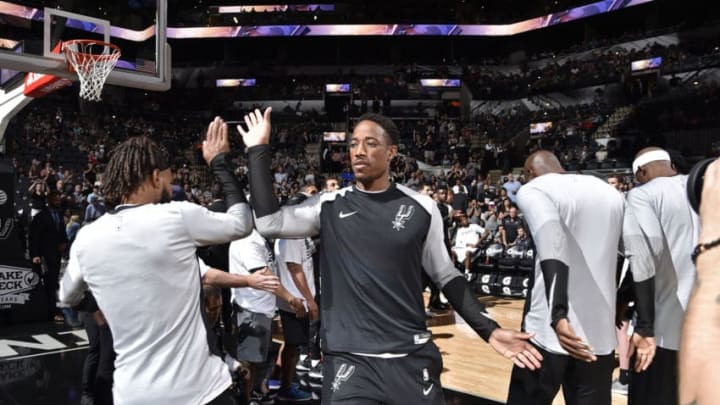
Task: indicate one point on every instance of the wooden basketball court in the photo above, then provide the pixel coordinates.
(473, 367)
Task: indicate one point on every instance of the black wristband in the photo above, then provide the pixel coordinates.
(556, 274)
(702, 248)
(467, 305)
(645, 307)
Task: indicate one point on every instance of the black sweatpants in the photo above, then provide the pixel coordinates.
(51, 282)
(658, 385)
(350, 379)
(97, 379)
(582, 383)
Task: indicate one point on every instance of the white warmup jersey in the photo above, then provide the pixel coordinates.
(297, 251)
(659, 233)
(140, 263)
(468, 235)
(248, 254)
(577, 220)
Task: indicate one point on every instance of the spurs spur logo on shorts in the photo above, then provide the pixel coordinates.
(403, 215)
(3, 197)
(343, 374)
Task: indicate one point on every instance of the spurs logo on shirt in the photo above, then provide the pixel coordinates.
(343, 374)
(403, 215)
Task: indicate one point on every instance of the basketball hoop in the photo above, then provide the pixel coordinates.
(92, 60)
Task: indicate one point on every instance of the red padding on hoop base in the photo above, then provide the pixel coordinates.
(39, 85)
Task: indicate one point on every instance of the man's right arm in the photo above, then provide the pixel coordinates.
(209, 228)
(291, 222)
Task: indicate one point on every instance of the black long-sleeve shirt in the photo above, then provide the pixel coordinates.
(375, 247)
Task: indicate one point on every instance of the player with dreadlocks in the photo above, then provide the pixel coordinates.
(132, 162)
(139, 262)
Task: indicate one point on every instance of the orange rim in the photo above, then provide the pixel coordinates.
(81, 56)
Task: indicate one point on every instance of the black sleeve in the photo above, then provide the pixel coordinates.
(63, 235)
(222, 169)
(467, 305)
(264, 201)
(555, 274)
(645, 307)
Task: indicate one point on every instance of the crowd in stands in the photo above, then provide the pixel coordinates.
(601, 66)
(64, 151)
(606, 65)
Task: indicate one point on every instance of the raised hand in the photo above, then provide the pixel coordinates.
(644, 350)
(515, 346)
(258, 128)
(216, 140)
(573, 343)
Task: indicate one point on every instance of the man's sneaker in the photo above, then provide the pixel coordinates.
(273, 385)
(262, 399)
(293, 394)
(316, 372)
(303, 366)
(619, 388)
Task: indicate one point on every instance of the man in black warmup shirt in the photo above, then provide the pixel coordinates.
(377, 237)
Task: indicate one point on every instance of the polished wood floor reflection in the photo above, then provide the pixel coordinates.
(473, 367)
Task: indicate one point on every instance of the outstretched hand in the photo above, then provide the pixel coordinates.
(258, 128)
(573, 343)
(515, 346)
(645, 350)
(216, 140)
(264, 280)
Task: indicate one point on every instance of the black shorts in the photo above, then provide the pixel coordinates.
(254, 336)
(582, 383)
(658, 385)
(355, 379)
(296, 331)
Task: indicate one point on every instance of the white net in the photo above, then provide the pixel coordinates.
(93, 61)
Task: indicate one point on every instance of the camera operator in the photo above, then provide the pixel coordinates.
(701, 333)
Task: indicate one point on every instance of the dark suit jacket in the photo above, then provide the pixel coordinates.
(46, 236)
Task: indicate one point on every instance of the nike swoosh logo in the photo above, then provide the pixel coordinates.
(427, 390)
(343, 215)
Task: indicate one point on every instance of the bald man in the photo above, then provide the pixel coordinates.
(576, 223)
(660, 231)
